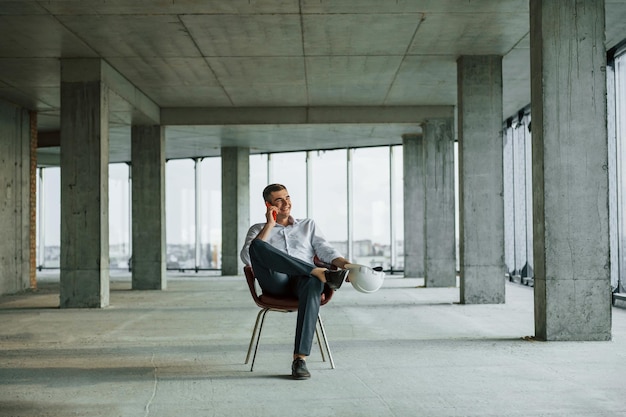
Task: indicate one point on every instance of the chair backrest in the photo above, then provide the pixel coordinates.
(247, 270)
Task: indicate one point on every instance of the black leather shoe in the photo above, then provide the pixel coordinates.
(334, 279)
(298, 369)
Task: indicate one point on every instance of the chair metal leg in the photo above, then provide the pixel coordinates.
(258, 328)
(330, 356)
(254, 333)
(319, 343)
(258, 339)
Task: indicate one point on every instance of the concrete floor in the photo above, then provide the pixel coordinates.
(403, 351)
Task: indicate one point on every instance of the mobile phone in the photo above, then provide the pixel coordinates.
(273, 213)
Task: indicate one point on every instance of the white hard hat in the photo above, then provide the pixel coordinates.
(365, 279)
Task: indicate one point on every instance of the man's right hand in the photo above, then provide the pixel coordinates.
(269, 224)
(270, 215)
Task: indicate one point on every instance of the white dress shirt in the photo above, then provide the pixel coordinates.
(300, 239)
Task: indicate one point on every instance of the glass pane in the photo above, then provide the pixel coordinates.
(119, 216)
(329, 186)
(210, 213)
(509, 200)
(51, 217)
(457, 212)
(620, 122)
(38, 223)
(397, 170)
(289, 169)
(520, 166)
(258, 181)
(180, 214)
(371, 244)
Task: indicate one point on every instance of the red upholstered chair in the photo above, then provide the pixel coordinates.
(283, 305)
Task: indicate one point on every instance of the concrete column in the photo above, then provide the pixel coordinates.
(148, 208)
(439, 246)
(481, 203)
(15, 200)
(570, 181)
(32, 215)
(414, 205)
(235, 207)
(84, 185)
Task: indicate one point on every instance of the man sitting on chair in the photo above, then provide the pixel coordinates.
(280, 252)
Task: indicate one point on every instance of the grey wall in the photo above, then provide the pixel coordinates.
(14, 198)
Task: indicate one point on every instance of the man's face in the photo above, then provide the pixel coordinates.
(281, 200)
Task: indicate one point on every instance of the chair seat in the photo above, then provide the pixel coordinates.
(282, 303)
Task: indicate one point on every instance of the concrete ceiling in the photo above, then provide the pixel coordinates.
(190, 57)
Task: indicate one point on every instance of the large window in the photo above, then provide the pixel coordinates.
(371, 207)
(119, 216)
(180, 209)
(617, 183)
(194, 213)
(329, 203)
(209, 250)
(397, 208)
(49, 217)
(517, 171)
(319, 185)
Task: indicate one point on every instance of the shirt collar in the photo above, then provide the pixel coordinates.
(290, 222)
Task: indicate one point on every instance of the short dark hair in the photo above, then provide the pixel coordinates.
(267, 192)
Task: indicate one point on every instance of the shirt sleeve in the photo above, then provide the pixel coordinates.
(252, 233)
(323, 249)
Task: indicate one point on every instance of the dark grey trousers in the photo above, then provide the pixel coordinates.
(281, 274)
